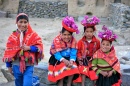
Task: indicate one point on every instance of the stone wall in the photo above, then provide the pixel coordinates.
(120, 15)
(120, 18)
(59, 8)
(43, 8)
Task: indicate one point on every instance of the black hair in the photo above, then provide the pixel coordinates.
(63, 30)
(93, 27)
(22, 17)
(108, 40)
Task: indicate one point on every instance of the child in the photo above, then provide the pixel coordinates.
(63, 51)
(86, 48)
(23, 49)
(105, 62)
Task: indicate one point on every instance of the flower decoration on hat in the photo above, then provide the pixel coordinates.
(90, 21)
(107, 34)
(69, 24)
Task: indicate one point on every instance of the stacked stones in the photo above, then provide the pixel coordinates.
(41, 9)
(120, 19)
(120, 15)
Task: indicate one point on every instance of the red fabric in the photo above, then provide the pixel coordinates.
(60, 71)
(90, 73)
(93, 46)
(59, 44)
(84, 70)
(13, 49)
(68, 28)
(118, 83)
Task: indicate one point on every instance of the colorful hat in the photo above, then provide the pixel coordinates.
(86, 22)
(107, 34)
(20, 15)
(69, 24)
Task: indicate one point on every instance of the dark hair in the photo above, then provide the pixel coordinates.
(93, 27)
(22, 17)
(108, 40)
(63, 30)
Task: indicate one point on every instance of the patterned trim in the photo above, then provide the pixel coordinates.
(56, 73)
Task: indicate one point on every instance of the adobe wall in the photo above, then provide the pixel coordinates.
(83, 7)
(9, 5)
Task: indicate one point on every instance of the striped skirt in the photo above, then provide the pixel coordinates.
(58, 70)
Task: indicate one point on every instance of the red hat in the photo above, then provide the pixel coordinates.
(69, 24)
(20, 15)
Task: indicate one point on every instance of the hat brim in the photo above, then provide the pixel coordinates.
(68, 28)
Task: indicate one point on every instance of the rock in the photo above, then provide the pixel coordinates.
(3, 79)
(121, 40)
(7, 74)
(122, 61)
(8, 84)
(127, 62)
(125, 80)
(3, 14)
(125, 58)
(126, 70)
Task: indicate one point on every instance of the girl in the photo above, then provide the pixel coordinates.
(86, 48)
(23, 49)
(63, 51)
(105, 62)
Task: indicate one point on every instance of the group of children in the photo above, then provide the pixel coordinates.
(87, 58)
(70, 60)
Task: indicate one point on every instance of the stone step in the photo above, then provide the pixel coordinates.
(3, 14)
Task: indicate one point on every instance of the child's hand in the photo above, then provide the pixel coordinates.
(71, 61)
(104, 73)
(70, 64)
(80, 60)
(25, 48)
(110, 73)
(66, 62)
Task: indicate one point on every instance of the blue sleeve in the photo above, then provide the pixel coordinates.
(73, 54)
(58, 56)
(8, 64)
(33, 49)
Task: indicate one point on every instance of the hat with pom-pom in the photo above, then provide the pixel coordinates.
(90, 21)
(107, 34)
(69, 24)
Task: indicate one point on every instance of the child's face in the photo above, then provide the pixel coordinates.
(89, 33)
(66, 36)
(22, 24)
(105, 46)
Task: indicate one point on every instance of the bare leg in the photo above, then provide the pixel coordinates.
(94, 82)
(70, 80)
(60, 83)
(83, 80)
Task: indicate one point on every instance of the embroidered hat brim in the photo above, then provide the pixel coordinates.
(68, 28)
